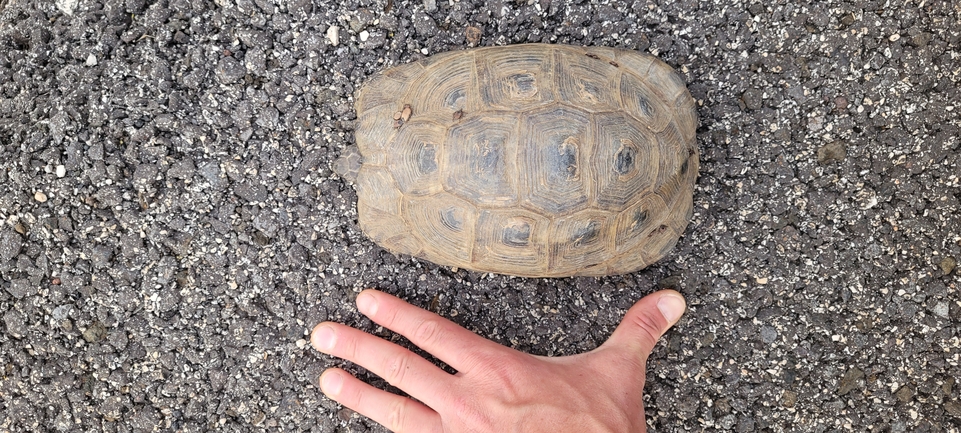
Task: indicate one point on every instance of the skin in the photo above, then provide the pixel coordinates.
(496, 389)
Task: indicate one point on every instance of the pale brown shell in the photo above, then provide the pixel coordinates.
(533, 160)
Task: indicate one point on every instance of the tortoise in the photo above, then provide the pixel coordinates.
(535, 160)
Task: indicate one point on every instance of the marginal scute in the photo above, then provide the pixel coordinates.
(663, 78)
(683, 207)
(605, 54)
(685, 112)
(634, 224)
(375, 185)
(644, 103)
(634, 62)
(659, 241)
(629, 260)
(379, 225)
(404, 243)
(585, 82)
(383, 88)
(581, 239)
(533, 160)
(670, 145)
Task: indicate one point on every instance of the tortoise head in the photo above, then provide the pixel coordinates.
(348, 165)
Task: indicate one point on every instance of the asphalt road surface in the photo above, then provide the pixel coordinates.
(172, 227)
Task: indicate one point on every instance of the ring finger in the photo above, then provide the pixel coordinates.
(398, 366)
(398, 414)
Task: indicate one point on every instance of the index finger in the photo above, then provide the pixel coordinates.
(449, 342)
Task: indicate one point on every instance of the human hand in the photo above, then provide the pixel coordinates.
(496, 389)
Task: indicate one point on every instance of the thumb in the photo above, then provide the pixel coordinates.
(647, 321)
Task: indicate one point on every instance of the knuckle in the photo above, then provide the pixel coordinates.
(479, 359)
(427, 331)
(352, 397)
(396, 366)
(387, 315)
(486, 359)
(346, 346)
(464, 408)
(396, 415)
(649, 328)
(507, 379)
(459, 407)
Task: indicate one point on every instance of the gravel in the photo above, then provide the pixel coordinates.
(196, 231)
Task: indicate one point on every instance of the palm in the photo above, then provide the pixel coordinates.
(496, 389)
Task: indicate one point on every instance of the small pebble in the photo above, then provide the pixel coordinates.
(948, 264)
(473, 35)
(905, 394)
(941, 309)
(788, 399)
(848, 20)
(62, 312)
(61, 171)
(345, 414)
(921, 40)
(769, 334)
(333, 35)
(727, 422)
(953, 408)
(357, 24)
(832, 152)
(67, 6)
(753, 99)
(364, 35)
(841, 103)
(744, 424)
(40, 197)
(671, 282)
(96, 332)
(894, 37)
(850, 380)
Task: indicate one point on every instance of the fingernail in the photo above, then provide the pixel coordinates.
(331, 383)
(671, 306)
(324, 339)
(366, 304)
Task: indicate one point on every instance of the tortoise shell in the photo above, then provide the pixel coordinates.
(533, 160)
